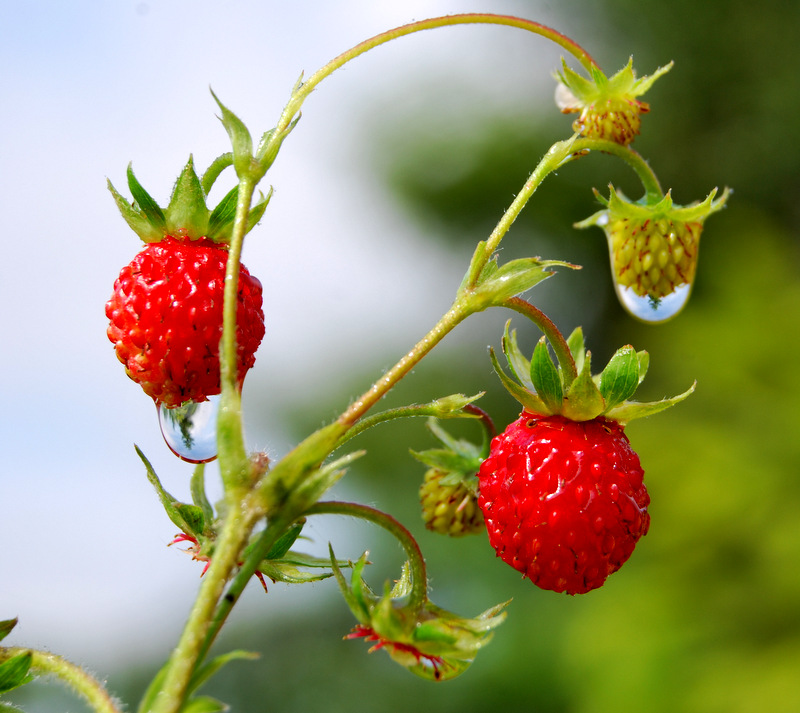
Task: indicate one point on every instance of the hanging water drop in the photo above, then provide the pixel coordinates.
(653, 309)
(190, 430)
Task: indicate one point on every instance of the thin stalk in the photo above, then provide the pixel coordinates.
(233, 538)
(549, 329)
(81, 682)
(646, 174)
(307, 86)
(419, 576)
(233, 461)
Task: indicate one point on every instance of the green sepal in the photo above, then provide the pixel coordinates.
(135, 219)
(7, 626)
(187, 214)
(546, 378)
(285, 541)
(198, 490)
(287, 568)
(583, 400)
(14, 672)
(144, 202)
(528, 399)
(577, 348)
(241, 141)
(317, 483)
(644, 363)
(630, 410)
(620, 378)
(519, 365)
(188, 518)
(204, 704)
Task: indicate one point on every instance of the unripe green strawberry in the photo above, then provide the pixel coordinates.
(564, 500)
(165, 313)
(449, 505)
(166, 319)
(608, 107)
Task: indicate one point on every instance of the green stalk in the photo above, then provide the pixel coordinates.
(233, 538)
(419, 576)
(74, 676)
(646, 174)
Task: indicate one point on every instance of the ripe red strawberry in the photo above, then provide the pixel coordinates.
(166, 309)
(561, 490)
(563, 500)
(166, 319)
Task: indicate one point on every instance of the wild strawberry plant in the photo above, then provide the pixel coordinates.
(559, 493)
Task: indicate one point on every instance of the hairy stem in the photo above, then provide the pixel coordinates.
(646, 174)
(74, 676)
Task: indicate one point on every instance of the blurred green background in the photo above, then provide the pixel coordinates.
(706, 615)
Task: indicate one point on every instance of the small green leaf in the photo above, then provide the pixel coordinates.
(509, 280)
(584, 401)
(145, 203)
(198, 489)
(135, 219)
(240, 138)
(14, 671)
(187, 213)
(577, 348)
(193, 517)
(545, 377)
(528, 399)
(170, 504)
(204, 704)
(644, 363)
(628, 411)
(285, 541)
(620, 378)
(519, 365)
(6, 626)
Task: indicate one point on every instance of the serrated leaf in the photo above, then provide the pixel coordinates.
(14, 671)
(519, 365)
(630, 410)
(620, 378)
(187, 213)
(145, 203)
(545, 377)
(6, 627)
(527, 398)
(584, 400)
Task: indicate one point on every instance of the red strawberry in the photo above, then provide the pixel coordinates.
(166, 319)
(166, 309)
(561, 491)
(563, 500)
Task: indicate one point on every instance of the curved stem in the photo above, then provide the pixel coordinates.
(74, 676)
(646, 174)
(419, 576)
(305, 88)
(554, 336)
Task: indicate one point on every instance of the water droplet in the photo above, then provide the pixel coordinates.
(652, 309)
(190, 430)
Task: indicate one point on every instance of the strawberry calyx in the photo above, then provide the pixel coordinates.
(186, 216)
(544, 388)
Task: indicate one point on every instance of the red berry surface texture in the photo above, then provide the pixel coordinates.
(166, 319)
(563, 500)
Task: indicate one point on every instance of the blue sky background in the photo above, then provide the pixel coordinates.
(88, 86)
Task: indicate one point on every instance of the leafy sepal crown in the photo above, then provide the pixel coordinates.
(543, 387)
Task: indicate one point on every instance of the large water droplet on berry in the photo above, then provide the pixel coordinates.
(190, 430)
(653, 309)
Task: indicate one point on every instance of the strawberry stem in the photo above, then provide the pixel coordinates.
(646, 174)
(419, 576)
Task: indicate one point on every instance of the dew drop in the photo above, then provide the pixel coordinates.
(650, 309)
(190, 430)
